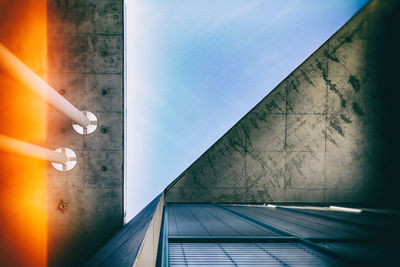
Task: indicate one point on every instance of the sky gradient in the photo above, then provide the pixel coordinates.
(194, 68)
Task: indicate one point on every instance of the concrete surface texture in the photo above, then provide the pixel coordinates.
(137, 238)
(323, 135)
(85, 63)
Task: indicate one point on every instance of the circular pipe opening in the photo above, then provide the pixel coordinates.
(71, 159)
(88, 129)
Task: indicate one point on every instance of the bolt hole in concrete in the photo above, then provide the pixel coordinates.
(62, 205)
(104, 130)
(104, 91)
(104, 168)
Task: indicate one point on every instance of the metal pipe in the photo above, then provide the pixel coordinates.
(15, 146)
(18, 70)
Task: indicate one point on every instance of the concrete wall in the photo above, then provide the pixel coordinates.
(85, 63)
(319, 136)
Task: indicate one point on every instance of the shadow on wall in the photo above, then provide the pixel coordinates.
(384, 60)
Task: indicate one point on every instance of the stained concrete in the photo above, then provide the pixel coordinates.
(86, 64)
(136, 243)
(323, 135)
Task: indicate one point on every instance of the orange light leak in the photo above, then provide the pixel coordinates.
(23, 189)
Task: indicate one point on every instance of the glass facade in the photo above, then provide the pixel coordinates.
(255, 235)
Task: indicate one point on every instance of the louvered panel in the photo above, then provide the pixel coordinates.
(370, 252)
(245, 254)
(301, 224)
(210, 220)
(326, 225)
(366, 220)
(244, 235)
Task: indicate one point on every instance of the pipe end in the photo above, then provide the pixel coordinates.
(71, 159)
(88, 129)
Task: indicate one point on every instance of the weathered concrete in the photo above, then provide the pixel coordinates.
(319, 135)
(85, 63)
(136, 243)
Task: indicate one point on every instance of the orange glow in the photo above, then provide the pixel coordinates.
(23, 189)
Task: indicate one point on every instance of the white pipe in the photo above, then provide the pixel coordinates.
(18, 70)
(15, 146)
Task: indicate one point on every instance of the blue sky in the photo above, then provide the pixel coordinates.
(194, 68)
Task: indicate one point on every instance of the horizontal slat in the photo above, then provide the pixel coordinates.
(301, 224)
(210, 220)
(245, 254)
(230, 239)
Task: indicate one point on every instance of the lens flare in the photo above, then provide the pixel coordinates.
(23, 189)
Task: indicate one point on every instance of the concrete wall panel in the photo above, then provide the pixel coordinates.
(319, 136)
(85, 64)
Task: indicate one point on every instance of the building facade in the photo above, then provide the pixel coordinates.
(322, 138)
